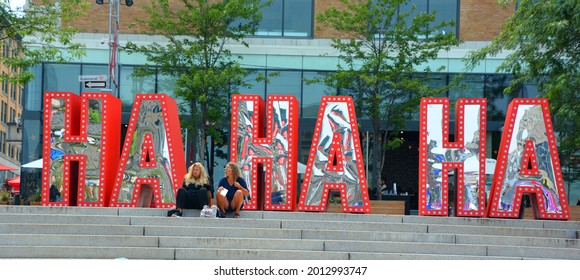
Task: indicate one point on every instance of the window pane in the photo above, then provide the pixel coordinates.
(31, 148)
(497, 101)
(288, 82)
(436, 81)
(471, 87)
(271, 24)
(62, 77)
(420, 7)
(129, 86)
(313, 94)
(446, 11)
(33, 96)
(530, 91)
(254, 87)
(298, 18)
(166, 84)
(94, 70)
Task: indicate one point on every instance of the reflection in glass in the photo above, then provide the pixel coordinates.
(497, 100)
(54, 80)
(312, 93)
(130, 85)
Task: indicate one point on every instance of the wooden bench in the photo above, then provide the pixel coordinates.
(574, 213)
(390, 207)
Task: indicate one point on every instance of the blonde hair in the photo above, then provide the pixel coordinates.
(203, 178)
(235, 170)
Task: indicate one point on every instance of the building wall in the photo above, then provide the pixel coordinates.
(480, 20)
(10, 112)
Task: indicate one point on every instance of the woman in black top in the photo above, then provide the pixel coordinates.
(196, 191)
(55, 193)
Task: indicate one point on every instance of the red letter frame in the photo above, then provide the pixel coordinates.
(81, 139)
(335, 161)
(528, 163)
(466, 155)
(152, 162)
(277, 151)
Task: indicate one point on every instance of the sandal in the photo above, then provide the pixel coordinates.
(220, 214)
(172, 212)
(237, 216)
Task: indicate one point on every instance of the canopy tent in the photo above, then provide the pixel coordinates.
(301, 168)
(6, 168)
(14, 183)
(33, 164)
(489, 166)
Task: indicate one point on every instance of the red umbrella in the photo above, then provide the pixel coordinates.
(15, 184)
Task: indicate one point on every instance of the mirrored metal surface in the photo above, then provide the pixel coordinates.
(437, 155)
(336, 120)
(277, 150)
(149, 121)
(91, 148)
(529, 124)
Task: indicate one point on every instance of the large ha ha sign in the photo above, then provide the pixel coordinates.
(81, 143)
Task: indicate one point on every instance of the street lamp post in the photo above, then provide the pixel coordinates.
(114, 18)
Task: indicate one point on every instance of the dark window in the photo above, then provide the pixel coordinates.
(93, 70)
(497, 101)
(287, 18)
(287, 82)
(55, 78)
(252, 86)
(4, 112)
(445, 11)
(313, 93)
(33, 98)
(129, 86)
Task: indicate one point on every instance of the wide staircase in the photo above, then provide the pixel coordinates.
(145, 233)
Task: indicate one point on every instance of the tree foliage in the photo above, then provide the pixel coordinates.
(196, 54)
(542, 43)
(45, 34)
(380, 64)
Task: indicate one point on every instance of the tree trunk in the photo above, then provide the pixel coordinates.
(194, 131)
(377, 150)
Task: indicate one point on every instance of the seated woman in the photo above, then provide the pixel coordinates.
(196, 191)
(55, 193)
(231, 191)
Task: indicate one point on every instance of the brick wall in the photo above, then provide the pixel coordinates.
(320, 6)
(481, 20)
(96, 19)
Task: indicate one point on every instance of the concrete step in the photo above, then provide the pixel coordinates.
(78, 240)
(81, 252)
(273, 215)
(144, 233)
(441, 238)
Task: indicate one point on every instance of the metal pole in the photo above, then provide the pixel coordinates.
(110, 44)
(114, 19)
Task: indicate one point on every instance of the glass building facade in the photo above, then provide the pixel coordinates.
(288, 44)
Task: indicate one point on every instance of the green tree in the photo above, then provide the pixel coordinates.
(542, 43)
(196, 53)
(45, 35)
(381, 64)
